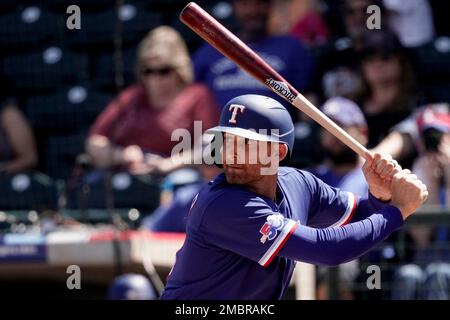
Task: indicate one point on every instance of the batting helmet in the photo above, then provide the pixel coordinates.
(131, 287)
(259, 118)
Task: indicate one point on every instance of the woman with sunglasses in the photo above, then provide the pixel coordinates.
(135, 130)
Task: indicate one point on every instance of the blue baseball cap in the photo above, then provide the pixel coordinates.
(345, 112)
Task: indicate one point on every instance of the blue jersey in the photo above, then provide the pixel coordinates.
(235, 239)
(353, 181)
(226, 80)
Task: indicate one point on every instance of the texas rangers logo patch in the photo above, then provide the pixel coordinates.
(269, 230)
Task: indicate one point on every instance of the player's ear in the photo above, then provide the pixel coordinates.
(282, 151)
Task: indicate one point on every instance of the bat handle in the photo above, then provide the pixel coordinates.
(307, 107)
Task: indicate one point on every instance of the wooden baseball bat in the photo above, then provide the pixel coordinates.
(237, 51)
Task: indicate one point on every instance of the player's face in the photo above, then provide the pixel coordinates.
(246, 161)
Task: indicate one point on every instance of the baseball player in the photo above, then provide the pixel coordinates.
(246, 228)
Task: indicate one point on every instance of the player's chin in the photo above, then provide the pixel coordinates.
(235, 174)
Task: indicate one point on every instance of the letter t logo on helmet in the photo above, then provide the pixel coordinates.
(234, 108)
(261, 118)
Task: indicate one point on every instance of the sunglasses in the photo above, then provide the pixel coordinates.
(164, 71)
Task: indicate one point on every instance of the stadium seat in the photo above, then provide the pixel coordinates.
(193, 41)
(97, 31)
(221, 10)
(28, 27)
(432, 61)
(85, 5)
(177, 5)
(28, 191)
(67, 110)
(59, 153)
(104, 69)
(45, 70)
(135, 23)
(436, 93)
(128, 191)
(7, 5)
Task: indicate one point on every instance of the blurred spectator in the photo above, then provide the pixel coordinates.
(337, 69)
(17, 145)
(411, 20)
(283, 53)
(341, 169)
(426, 133)
(433, 162)
(355, 19)
(387, 94)
(131, 286)
(300, 18)
(178, 191)
(405, 140)
(135, 129)
(311, 29)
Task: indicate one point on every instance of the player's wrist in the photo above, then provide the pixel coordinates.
(405, 211)
(380, 197)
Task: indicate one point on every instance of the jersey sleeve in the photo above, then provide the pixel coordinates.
(329, 206)
(333, 246)
(246, 225)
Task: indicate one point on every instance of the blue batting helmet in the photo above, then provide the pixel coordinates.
(257, 117)
(131, 287)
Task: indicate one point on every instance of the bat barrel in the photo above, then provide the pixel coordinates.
(232, 47)
(237, 51)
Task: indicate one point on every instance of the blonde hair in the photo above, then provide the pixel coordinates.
(166, 44)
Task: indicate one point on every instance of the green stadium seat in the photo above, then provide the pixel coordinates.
(27, 27)
(104, 68)
(432, 61)
(45, 70)
(67, 110)
(28, 191)
(128, 191)
(135, 23)
(59, 153)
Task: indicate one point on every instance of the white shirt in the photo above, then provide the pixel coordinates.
(411, 20)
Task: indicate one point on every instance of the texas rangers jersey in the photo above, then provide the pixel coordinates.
(233, 236)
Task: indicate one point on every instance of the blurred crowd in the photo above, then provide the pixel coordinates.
(379, 69)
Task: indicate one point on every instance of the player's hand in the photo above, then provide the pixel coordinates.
(408, 192)
(379, 170)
